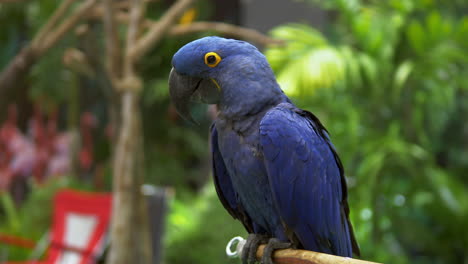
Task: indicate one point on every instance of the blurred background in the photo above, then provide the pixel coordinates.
(389, 80)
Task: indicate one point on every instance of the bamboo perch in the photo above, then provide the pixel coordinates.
(296, 256)
(293, 256)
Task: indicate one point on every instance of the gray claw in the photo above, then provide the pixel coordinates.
(250, 248)
(273, 244)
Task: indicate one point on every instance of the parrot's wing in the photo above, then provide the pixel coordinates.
(224, 188)
(307, 180)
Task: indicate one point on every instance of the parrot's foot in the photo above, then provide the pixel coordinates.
(273, 244)
(250, 248)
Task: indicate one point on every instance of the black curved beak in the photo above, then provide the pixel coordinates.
(183, 89)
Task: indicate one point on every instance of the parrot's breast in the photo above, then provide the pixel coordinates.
(244, 162)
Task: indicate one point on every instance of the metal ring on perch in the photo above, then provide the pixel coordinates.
(237, 242)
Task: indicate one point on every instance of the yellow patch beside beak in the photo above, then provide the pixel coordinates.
(216, 83)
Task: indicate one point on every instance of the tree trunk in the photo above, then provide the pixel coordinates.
(129, 242)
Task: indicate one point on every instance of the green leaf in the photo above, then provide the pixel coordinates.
(434, 24)
(402, 74)
(415, 35)
(369, 67)
(299, 33)
(353, 74)
(11, 214)
(450, 190)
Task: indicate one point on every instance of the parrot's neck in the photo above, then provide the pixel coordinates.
(249, 90)
(238, 105)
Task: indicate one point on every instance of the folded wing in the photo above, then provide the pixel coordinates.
(307, 180)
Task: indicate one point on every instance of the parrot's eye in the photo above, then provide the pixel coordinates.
(212, 59)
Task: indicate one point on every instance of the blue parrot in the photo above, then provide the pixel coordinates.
(274, 166)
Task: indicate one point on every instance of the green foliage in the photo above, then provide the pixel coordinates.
(20, 22)
(390, 84)
(50, 91)
(199, 229)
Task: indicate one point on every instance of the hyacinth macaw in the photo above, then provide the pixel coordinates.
(274, 166)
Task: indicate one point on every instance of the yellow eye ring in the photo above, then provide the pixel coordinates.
(212, 59)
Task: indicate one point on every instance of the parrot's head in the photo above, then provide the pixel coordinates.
(227, 72)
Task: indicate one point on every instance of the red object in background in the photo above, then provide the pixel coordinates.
(79, 225)
(44, 151)
(86, 156)
(17, 241)
(9, 129)
(8, 134)
(40, 137)
(60, 160)
(59, 148)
